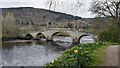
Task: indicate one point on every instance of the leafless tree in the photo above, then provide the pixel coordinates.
(107, 8)
(9, 27)
(53, 3)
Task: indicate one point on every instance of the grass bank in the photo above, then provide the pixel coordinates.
(99, 56)
(81, 55)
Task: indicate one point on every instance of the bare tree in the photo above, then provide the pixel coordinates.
(105, 8)
(52, 4)
(9, 28)
(108, 8)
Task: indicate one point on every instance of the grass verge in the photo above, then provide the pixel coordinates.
(99, 56)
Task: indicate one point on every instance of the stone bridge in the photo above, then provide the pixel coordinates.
(50, 32)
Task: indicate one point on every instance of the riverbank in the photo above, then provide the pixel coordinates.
(81, 55)
(99, 58)
(13, 38)
(17, 40)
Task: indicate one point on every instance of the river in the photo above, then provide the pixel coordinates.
(32, 52)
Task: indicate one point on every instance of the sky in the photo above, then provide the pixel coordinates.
(64, 6)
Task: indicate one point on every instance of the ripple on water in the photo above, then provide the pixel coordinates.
(29, 54)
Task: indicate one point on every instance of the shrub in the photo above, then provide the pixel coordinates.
(109, 35)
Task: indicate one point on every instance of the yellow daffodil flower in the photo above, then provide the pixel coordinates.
(75, 51)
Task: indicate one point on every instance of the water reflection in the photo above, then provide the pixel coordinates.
(63, 41)
(34, 53)
(87, 39)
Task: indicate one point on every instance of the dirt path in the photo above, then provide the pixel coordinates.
(112, 56)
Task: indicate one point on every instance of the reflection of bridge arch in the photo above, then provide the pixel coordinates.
(28, 36)
(40, 35)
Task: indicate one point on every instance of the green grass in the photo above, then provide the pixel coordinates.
(114, 43)
(99, 56)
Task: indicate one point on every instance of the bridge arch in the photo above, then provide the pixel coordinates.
(60, 34)
(81, 37)
(40, 35)
(29, 36)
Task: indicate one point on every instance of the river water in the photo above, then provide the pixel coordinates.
(32, 52)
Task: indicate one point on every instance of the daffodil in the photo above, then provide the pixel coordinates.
(75, 51)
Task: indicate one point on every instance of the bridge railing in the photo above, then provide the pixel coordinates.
(62, 29)
(69, 29)
(66, 29)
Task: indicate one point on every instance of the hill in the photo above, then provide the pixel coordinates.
(42, 17)
(24, 15)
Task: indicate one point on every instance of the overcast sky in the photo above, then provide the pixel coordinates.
(65, 6)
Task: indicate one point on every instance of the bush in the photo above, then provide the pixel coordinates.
(80, 55)
(109, 35)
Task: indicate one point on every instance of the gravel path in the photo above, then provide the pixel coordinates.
(112, 56)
